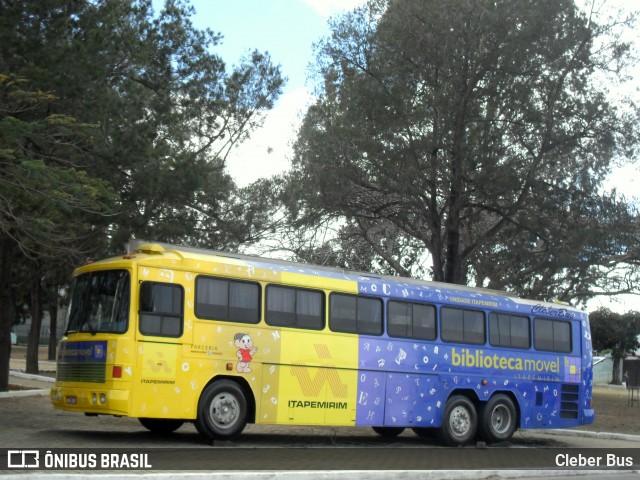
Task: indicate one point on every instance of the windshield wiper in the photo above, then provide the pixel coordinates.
(89, 327)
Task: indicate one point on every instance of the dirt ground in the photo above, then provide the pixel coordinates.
(613, 412)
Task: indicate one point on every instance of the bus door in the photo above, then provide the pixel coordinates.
(160, 335)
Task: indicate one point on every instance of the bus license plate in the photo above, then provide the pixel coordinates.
(72, 400)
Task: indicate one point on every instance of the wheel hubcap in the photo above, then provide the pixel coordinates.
(500, 419)
(223, 410)
(460, 421)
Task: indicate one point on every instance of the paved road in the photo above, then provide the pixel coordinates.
(30, 422)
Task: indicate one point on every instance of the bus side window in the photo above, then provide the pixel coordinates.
(227, 300)
(462, 325)
(355, 314)
(411, 320)
(552, 335)
(161, 309)
(295, 307)
(506, 330)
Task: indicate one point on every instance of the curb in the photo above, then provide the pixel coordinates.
(33, 392)
(588, 433)
(30, 376)
(25, 393)
(332, 474)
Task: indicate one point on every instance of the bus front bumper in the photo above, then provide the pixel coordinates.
(588, 416)
(98, 400)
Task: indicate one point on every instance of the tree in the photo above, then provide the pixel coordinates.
(46, 200)
(617, 333)
(165, 111)
(168, 108)
(478, 130)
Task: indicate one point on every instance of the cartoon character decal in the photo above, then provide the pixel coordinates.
(246, 351)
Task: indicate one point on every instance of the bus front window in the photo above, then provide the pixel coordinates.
(100, 302)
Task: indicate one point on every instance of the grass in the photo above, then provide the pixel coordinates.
(613, 412)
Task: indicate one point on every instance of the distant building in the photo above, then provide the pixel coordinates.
(602, 369)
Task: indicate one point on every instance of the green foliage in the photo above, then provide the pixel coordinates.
(477, 130)
(47, 201)
(615, 332)
(115, 122)
(167, 110)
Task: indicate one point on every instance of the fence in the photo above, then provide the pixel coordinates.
(22, 332)
(632, 378)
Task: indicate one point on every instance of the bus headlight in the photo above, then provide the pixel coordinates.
(103, 398)
(56, 395)
(94, 398)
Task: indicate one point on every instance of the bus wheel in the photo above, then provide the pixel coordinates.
(425, 432)
(498, 419)
(222, 410)
(161, 426)
(459, 422)
(388, 432)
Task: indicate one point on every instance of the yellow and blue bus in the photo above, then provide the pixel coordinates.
(171, 334)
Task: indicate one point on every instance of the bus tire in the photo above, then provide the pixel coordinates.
(161, 426)
(388, 432)
(459, 422)
(425, 432)
(222, 410)
(498, 419)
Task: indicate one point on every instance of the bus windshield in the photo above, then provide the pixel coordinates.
(100, 302)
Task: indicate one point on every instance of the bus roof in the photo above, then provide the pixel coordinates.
(151, 247)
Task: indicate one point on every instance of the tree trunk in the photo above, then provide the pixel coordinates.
(6, 311)
(36, 323)
(616, 376)
(53, 328)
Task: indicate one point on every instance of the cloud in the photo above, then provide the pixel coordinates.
(268, 151)
(327, 8)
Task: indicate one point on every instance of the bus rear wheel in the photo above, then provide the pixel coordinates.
(459, 422)
(388, 432)
(161, 426)
(222, 410)
(425, 432)
(498, 419)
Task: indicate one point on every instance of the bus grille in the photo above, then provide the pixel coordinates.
(569, 401)
(81, 372)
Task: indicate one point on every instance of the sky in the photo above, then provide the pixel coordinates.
(287, 29)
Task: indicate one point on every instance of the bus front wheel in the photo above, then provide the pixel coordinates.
(460, 421)
(161, 426)
(222, 410)
(498, 419)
